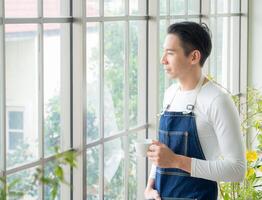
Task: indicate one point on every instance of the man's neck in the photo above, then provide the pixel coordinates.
(190, 81)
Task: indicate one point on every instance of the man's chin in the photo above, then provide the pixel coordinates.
(171, 76)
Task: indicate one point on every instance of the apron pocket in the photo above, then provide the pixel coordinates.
(177, 141)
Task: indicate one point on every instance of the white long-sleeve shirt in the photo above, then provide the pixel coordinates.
(218, 127)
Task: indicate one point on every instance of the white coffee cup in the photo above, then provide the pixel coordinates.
(142, 146)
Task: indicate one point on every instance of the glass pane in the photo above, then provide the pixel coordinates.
(15, 120)
(136, 167)
(132, 168)
(137, 55)
(55, 187)
(56, 8)
(193, 7)
(15, 138)
(163, 7)
(137, 7)
(213, 58)
(92, 81)
(177, 7)
(114, 169)
(114, 7)
(22, 87)
(219, 57)
(21, 8)
(162, 35)
(235, 6)
(23, 182)
(92, 173)
(213, 6)
(222, 51)
(197, 20)
(234, 54)
(92, 8)
(114, 42)
(56, 87)
(222, 6)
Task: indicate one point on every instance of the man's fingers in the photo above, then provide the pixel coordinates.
(156, 195)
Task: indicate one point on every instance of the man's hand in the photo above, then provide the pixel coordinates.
(162, 156)
(150, 193)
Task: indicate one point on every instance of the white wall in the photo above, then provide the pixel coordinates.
(255, 44)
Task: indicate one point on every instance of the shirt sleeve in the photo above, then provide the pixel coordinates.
(153, 172)
(231, 165)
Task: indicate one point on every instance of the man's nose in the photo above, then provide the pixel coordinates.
(163, 59)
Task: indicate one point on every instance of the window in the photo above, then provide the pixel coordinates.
(15, 129)
(35, 45)
(87, 76)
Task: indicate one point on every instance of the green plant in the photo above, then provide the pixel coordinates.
(8, 190)
(251, 112)
(53, 175)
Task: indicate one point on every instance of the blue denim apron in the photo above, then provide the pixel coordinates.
(178, 131)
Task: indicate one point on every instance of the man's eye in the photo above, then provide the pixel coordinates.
(170, 53)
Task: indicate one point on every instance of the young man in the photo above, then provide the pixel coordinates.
(200, 142)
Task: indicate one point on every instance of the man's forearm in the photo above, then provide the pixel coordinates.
(150, 183)
(183, 162)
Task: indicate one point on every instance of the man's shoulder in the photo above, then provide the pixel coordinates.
(210, 91)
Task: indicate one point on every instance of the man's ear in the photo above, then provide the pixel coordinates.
(195, 57)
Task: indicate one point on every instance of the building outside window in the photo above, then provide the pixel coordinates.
(15, 128)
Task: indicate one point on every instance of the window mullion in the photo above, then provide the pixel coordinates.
(101, 101)
(126, 104)
(229, 56)
(41, 95)
(3, 150)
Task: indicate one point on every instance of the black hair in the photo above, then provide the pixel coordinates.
(193, 36)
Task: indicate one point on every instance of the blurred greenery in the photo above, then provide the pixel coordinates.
(251, 123)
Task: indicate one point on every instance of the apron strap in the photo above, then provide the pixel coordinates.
(189, 107)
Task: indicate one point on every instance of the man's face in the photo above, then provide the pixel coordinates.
(176, 64)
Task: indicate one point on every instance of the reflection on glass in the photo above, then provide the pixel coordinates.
(114, 77)
(21, 93)
(137, 7)
(92, 173)
(193, 7)
(92, 8)
(136, 73)
(92, 81)
(177, 7)
(114, 7)
(56, 87)
(20, 8)
(114, 170)
(56, 8)
(23, 182)
(222, 6)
